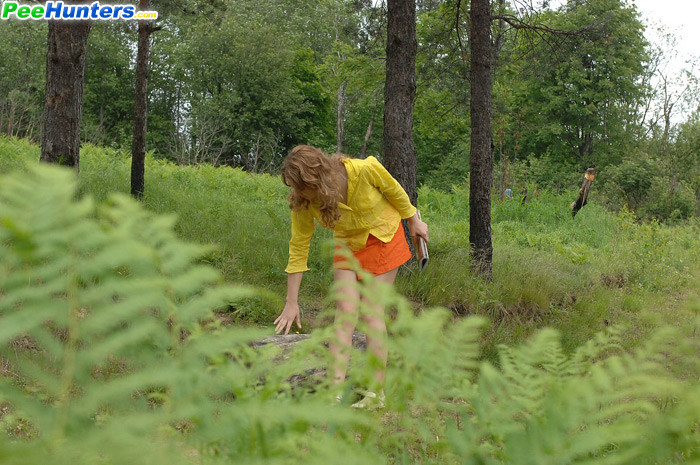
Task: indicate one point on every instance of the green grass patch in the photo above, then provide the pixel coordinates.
(577, 275)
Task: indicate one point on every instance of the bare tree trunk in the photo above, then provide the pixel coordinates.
(500, 35)
(63, 103)
(400, 90)
(11, 119)
(505, 180)
(138, 145)
(586, 149)
(20, 122)
(101, 126)
(339, 122)
(368, 134)
(481, 154)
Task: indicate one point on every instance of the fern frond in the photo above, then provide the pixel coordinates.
(106, 296)
(544, 407)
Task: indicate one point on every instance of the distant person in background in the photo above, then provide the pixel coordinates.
(523, 193)
(363, 205)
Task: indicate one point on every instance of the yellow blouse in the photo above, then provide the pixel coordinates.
(376, 205)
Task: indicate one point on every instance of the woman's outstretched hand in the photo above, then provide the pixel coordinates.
(418, 228)
(289, 314)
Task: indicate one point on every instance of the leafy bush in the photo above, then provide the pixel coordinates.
(670, 202)
(645, 186)
(630, 180)
(16, 153)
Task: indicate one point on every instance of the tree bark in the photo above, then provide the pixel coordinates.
(368, 134)
(481, 152)
(138, 146)
(63, 102)
(340, 119)
(586, 148)
(400, 90)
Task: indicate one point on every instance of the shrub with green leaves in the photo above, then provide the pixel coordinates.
(111, 354)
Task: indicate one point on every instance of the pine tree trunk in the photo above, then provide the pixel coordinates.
(138, 146)
(400, 91)
(481, 155)
(63, 102)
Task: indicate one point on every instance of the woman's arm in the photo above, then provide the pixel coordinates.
(291, 308)
(302, 230)
(380, 178)
(397, 196)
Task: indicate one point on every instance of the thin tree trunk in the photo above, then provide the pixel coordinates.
(481, 153)
(339, 121)
(400, 90)
(101, 125)
(586, 150)
(63, 102)
(501, 32)
(138, 146)
(368, 134)
(505, 181)
(11, 119)
(20, 122)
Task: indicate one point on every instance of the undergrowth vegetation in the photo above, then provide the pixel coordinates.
(578, 275)
(111, 354)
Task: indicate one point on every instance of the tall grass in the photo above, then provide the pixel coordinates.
(578, 275)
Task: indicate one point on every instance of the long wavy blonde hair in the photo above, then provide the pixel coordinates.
(307, 168)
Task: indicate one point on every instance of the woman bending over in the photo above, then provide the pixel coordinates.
(363, 205)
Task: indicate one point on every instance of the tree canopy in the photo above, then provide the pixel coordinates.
(240, 82)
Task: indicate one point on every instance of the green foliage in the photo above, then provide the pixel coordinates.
(348, 38)
(549, 270)
(547, 407)
(573, 99)
(664, 189)
(633, 179)
(16, 153)
(108, 98)
(108, 335)
(111, 354)
(575, 275)
(441, 121)
(240, 82)
(255, 92)
(671, 201)
(22, 77)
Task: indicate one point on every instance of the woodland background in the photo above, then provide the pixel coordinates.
(240, 83)
(133, 330)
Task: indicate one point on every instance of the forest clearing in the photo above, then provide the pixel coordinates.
(147, 205)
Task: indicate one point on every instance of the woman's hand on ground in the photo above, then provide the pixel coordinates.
(418, 228)
(289, 314)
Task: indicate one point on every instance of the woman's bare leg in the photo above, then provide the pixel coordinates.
(375, 320)
(347, 308)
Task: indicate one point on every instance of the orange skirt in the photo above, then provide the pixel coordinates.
(378, 257)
